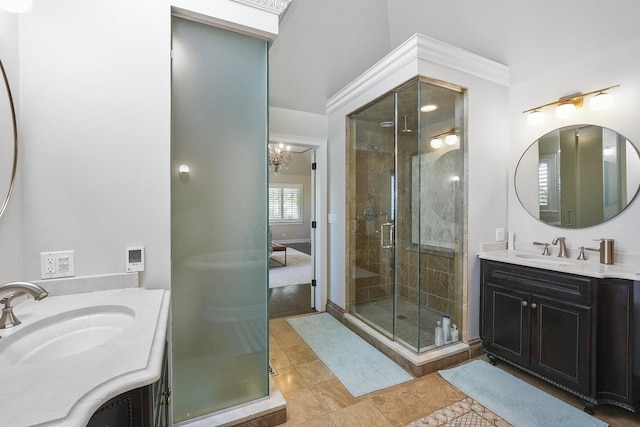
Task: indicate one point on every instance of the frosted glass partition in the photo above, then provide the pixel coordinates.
(218, 219)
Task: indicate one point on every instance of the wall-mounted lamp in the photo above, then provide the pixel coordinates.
(450, 138)
(183, 173)
(16, 6)
(455, 180)
(567, 105)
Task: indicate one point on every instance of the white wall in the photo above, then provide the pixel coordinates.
(95, 121)
(300, 123)
(11, 221)
(619, 66)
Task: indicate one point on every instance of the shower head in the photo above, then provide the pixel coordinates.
(405, 129)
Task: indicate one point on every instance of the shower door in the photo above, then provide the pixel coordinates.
(405, 169)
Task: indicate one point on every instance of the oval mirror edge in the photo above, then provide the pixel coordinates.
(5, 202)
(630, 195)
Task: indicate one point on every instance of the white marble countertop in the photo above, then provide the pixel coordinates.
(588, 268)
(68, 390)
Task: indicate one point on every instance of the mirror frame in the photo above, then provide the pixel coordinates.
(15, 141)
(630, 200)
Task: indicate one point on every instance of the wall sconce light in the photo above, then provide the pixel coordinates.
(183, 170)
(16, 6)
(567, 105)
(450, 138)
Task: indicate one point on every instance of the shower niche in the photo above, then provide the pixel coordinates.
(405, 209)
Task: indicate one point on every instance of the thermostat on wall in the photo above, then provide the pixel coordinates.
(135, 259)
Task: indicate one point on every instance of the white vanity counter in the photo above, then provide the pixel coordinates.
(67, 389)
(588, 268)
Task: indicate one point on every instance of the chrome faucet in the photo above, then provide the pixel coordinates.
(563, 247)
(8, 319)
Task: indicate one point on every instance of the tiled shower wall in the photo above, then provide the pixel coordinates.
(429, 277)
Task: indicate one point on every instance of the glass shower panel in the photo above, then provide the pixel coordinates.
(406, 255)
(218, 219)
(371, 271)
(438, 217)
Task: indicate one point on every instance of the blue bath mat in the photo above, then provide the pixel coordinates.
(515, 400)
(359, 366)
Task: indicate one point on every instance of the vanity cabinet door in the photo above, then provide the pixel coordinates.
(561, 342)
(506, 323)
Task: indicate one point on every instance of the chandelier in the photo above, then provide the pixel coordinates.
(278, 157)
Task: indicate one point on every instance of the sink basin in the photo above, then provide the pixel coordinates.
(544, 259)
(65, 334)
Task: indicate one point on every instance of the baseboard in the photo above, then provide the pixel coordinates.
(335, 310)
(287, 241)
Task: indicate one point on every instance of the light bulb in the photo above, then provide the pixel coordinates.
(436, 143)
(16, 6)
(601, 101)
(428, 108)
(535, 118)
(564, 111)
(451, 139)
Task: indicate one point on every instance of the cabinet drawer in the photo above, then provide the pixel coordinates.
(569, 287)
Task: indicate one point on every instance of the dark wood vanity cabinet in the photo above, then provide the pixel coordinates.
(573, 331)
(142, 407)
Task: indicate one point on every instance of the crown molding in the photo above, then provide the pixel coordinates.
(277, 7)
(422, 48)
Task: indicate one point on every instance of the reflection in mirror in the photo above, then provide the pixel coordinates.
(8, 141)
(578, 176)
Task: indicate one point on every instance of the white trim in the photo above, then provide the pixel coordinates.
(273, 6)
(421, 47)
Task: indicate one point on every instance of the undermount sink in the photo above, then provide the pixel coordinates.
(544, 259)
(65, 334)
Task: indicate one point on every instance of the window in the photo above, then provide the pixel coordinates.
(548, 182)
(285, 203)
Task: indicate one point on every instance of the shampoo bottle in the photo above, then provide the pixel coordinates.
(438, 339)
(446, 329)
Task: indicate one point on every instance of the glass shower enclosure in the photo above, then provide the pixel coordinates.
(405, 168)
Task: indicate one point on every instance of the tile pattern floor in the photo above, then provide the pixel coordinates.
(315, 397)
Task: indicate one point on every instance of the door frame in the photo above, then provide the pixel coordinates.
(319, 215)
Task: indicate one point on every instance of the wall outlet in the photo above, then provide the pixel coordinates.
(57, 264)
(499, 234)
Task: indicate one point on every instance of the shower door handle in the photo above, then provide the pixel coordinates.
(390, 242)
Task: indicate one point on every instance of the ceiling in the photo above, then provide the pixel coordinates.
(324, 44)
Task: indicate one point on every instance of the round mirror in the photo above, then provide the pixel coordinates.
(8, 141)
(578, 176)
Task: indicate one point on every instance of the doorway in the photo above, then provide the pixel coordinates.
(291, 220)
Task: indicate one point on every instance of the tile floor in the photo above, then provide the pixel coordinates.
(315, 397)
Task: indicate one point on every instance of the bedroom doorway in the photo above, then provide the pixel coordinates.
(292, 217)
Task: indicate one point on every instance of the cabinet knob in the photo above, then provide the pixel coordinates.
(533, 305)
(524, 303)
